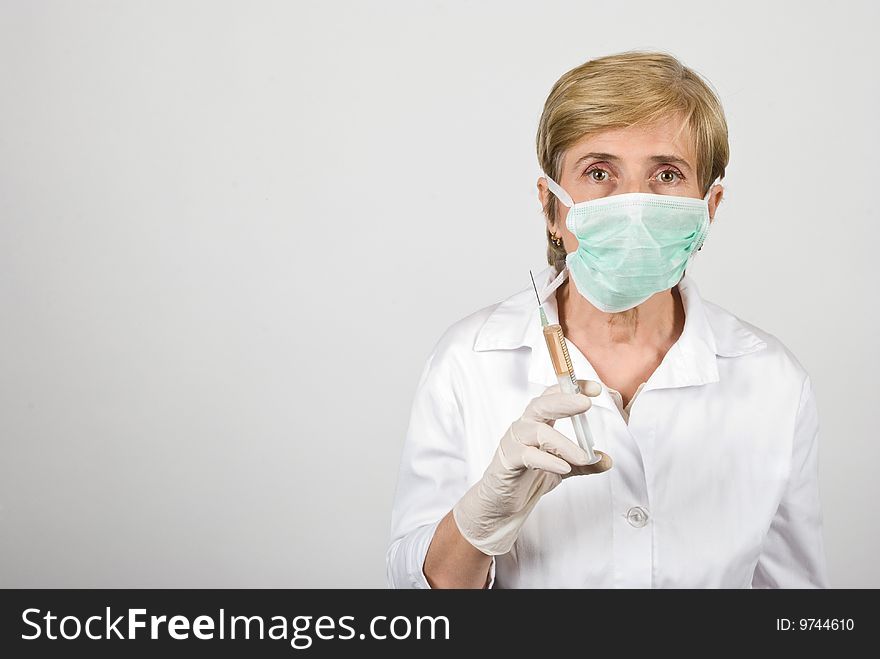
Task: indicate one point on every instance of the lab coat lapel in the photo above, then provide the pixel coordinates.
(691, 361)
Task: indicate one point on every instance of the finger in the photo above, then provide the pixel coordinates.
(554, 389)
(584, 470)
(548, 407)
(587, 387)
(532, 433)
(535, 458)
(590, 387)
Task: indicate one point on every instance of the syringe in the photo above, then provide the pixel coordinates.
(566, 378)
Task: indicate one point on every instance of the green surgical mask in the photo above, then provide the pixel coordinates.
(631, 245)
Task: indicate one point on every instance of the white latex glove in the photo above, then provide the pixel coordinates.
(532, 458)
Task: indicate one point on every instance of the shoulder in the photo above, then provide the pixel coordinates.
(478, 340)
(457, 341)
(753, 346)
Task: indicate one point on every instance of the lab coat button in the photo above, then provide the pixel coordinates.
(637, 516)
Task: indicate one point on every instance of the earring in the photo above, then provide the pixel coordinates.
(556, 240)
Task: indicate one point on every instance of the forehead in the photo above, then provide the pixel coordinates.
(638, 143)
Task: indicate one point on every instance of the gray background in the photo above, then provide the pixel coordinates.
(230, 234)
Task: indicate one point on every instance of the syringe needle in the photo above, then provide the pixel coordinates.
(544, 321)
(535, 287)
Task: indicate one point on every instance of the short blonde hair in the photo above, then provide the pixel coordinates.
(626, 89)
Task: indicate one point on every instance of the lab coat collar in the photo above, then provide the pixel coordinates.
(709, 331)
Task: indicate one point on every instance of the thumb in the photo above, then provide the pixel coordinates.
(590, 387)
(584, 470)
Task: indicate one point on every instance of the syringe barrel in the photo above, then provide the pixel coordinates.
(558, 352)
(579, 421)
(562, 366)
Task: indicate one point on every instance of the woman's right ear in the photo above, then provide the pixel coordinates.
(543, 191)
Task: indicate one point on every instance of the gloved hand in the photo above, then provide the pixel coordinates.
(532, 458)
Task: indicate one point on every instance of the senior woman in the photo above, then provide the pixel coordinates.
(711, 422)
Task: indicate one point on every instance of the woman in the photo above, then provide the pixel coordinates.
(711, 422)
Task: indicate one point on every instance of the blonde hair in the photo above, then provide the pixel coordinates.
(627, 89)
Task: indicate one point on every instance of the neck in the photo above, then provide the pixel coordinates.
(655, 324)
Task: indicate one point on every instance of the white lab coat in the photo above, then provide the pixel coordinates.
(715, 477)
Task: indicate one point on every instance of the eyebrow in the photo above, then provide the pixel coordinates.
(678, 160)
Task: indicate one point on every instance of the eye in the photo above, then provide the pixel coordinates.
(668, 175)
(597, 170)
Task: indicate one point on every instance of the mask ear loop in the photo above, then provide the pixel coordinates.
(709, 193)
(702, 238)
(556, 189)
